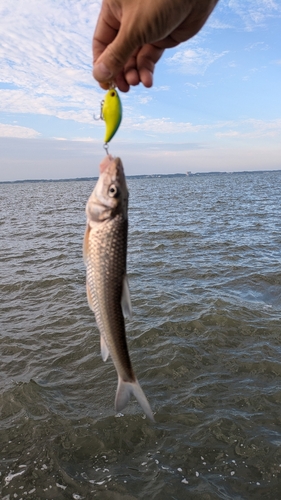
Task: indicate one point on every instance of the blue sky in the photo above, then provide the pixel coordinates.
(215, 104)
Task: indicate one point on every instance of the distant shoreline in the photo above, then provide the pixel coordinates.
(143, 176)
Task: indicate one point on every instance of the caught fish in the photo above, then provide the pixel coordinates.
(105, 252)
(111, 114)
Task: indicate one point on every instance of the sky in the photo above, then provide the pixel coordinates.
(215, 104)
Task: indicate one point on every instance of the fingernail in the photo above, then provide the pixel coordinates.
(101, 72)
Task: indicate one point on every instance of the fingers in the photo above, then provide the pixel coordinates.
(132, 77)
(117, 55)
(131, 35)
(112, 49)
(105, 32)
(130, 71)
(147, 57)
(121, 82)
(139, 68)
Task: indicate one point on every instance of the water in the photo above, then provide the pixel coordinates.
(204, 267)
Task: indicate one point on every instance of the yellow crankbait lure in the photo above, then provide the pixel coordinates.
(111, 113)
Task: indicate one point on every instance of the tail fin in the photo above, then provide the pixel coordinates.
(124, 392)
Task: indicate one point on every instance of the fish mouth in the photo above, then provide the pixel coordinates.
(110, 165)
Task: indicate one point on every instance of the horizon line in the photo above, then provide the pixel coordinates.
(178, 174)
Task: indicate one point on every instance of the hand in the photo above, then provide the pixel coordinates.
(131, 36)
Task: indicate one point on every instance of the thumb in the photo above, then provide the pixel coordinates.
(113, 59)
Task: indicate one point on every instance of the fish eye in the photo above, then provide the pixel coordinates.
(113, 191)
(112, 93)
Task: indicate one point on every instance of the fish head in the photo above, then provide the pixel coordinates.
(110, 195)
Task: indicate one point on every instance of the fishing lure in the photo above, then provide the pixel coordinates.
(111, 113)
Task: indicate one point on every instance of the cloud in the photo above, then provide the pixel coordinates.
(144, 99)
(218, 25)
(261, 128)
(255, 13)
(250, 129)
(17, 131)
(162, 126)
(46, 58)
(257, 45)
(230, 133)
(161, 88)
(240, 129)
(193, 61)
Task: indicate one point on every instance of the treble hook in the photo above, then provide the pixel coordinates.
(100, 116)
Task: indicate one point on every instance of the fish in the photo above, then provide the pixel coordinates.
(111, 113)
(105, 256)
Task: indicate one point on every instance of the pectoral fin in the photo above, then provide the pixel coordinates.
(86, 243)
(126, 299)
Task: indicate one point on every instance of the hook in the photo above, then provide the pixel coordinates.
(100, 116)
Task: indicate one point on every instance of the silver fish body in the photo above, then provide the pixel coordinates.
(105, 253)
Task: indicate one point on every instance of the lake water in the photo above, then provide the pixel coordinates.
(204, 266)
